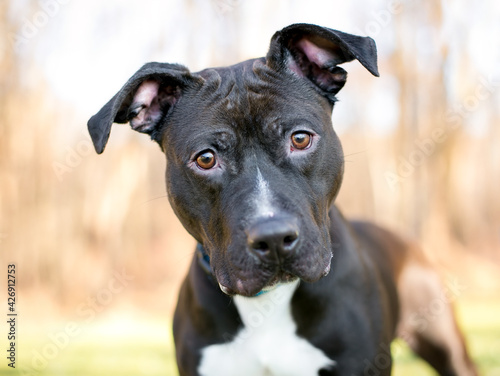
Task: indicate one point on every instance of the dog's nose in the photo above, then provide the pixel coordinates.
(273, 239)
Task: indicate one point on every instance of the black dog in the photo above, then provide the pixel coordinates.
(281, 283)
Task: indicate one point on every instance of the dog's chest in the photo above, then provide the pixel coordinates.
(268, 344)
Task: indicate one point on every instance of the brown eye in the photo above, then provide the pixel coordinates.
(206, 160)
(301, 140)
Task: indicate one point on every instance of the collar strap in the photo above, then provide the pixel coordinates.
(204, 259)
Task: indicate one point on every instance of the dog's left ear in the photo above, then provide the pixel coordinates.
(144, 101)
(314, 52)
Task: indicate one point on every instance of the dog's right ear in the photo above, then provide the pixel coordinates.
(144, 101)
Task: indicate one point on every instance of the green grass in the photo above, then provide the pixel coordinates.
(480, 321)
(109, 358)
(111, 346)
(131, 347)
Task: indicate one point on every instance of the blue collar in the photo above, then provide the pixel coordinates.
(204, 260)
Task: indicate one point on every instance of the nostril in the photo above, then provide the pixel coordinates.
(261, 247)
(289, 239)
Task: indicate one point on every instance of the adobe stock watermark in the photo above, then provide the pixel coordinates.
(31, 26)
(381, 362)
(87, 311)
(73, 157)
(419, 321)
(224, 7)
(381, 18)
(453, 118)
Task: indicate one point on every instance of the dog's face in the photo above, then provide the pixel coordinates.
(245, 152)
(253, 163)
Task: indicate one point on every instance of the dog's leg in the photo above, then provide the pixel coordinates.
(428, 322)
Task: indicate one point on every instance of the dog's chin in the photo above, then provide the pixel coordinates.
(250, 288)
(254, 287)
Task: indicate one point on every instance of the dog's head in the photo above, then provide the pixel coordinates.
(253, 163)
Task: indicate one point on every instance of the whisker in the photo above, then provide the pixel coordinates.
(358, 152)
(153, 199)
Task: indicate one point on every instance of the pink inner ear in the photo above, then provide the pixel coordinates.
(146, 106)
(316, 59)
(319, 51)
(315, 54)
(146, 92)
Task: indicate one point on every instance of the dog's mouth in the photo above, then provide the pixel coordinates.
(249, 289)
(278, 279)
(252, 287)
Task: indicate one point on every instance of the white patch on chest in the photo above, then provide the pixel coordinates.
(268, 344)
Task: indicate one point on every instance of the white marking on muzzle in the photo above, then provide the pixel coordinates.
(262, 198)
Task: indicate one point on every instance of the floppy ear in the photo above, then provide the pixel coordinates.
(144, 101)
(314, 52)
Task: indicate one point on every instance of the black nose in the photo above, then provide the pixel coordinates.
(274, 238)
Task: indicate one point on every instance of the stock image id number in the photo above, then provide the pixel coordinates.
(11, 287)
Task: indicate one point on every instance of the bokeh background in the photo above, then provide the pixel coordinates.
(99, 254)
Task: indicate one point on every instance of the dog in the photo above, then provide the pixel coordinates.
(280, 283)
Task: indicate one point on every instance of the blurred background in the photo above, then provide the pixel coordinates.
(99, 254)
